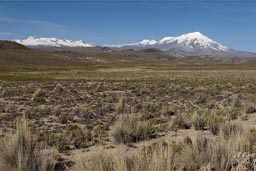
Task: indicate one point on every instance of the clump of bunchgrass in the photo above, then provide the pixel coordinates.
(130, 128)
(120, 105)
(199, 119)
(38, 96)
(18, 151)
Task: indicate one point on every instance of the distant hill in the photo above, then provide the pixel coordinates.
(97, 49)
(152, 50)
(16, 55)
(5, 44)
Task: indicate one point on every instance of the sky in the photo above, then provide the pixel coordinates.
(230, 22)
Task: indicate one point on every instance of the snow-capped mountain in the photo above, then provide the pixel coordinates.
(143, 43)
(190, 43)
(33, 41)
(187, 44)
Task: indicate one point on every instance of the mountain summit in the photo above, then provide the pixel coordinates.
(189, 44)
(192, 41)
(33, 41)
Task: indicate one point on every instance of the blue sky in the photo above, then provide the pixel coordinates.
(230, 22)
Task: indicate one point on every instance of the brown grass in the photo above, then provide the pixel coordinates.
(199, 152)
(38, 96)
(18, 151)
(129, 128)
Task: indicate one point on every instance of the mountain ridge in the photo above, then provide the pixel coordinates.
(52, 42)
(189, 44)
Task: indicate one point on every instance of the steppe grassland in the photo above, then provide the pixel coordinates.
(166, 118)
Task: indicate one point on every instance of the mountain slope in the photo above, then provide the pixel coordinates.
(5, 44)
(52, 42)
(15, 55)
(189, 44)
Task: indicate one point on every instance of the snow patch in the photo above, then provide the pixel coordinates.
(53, 42)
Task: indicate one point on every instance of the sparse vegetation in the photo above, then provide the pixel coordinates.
(134, 118)
(200, 153)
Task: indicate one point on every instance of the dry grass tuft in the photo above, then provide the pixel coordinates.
(160, 156)
(100, 161)
(129, 128)
(196, 153)
(200, 119)
(205, 153)
(180, 121)
(120, 105)
(38, 96)
(18, 151)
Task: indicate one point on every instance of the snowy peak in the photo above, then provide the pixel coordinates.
(166, 40)
(190, 43)
(147, 42)
(197, 39)
(143, 43)
(189, 37)
(52, 42)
